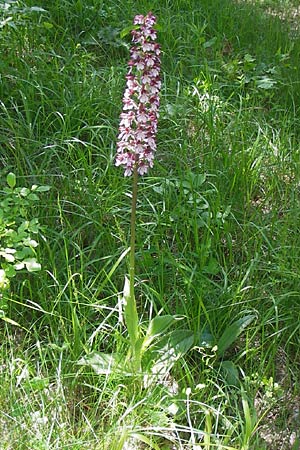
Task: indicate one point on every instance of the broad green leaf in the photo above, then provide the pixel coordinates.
(130, 313)
(265, 83)
(43, 188)
(102, 363)
(231, 372)
(232, 332)
(204, 339)
(157, 326)
(170, 349)
(11, 180)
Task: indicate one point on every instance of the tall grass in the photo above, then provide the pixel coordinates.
(217, 226)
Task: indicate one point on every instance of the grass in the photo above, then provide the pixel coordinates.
(217, 226)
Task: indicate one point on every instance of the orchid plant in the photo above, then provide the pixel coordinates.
(154, 349)
(135, 154)
(137, 143)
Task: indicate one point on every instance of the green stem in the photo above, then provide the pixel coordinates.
(132, 232)
(130, 309)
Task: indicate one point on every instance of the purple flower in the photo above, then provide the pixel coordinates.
(138, 121)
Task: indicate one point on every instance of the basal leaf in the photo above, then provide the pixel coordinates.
(231, 372)
(232, 332)
(170, 349)
(102, 363)
(156, 327)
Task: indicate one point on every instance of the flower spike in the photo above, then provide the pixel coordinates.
(138, 121)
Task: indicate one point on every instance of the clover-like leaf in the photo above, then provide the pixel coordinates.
(24, 191)
(8, 255)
